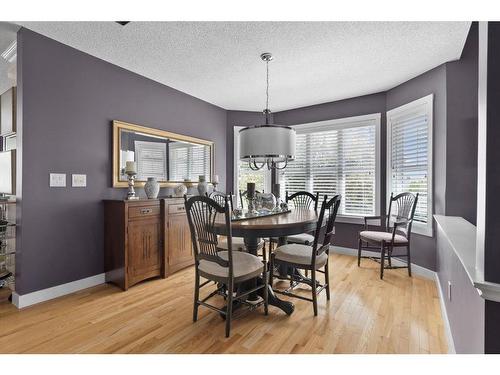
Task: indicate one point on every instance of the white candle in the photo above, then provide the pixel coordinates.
(130, 167)
(216, 179)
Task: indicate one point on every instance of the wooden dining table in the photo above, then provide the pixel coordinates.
(279, 226)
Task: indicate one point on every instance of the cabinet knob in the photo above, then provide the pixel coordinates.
(145, 211)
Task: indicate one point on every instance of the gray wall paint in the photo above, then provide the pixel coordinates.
(68, 102)
(490, 111)
(462, 125)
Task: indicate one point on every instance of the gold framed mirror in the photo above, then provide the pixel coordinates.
(169, 157)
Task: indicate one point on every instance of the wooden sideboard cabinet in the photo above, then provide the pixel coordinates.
(133, 241)
(180, 253)
(145, 239)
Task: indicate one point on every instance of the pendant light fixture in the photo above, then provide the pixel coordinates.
(268, 144)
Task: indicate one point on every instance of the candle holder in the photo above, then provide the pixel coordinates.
(131, 182)
(251, 207)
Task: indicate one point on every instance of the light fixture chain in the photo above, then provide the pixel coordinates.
(267, 85)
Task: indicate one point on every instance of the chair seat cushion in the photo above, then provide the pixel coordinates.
(238, 243)
(303, 238)
(299, 254)
(244, 265)
(381, 236)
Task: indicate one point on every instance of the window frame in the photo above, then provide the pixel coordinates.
(427, 103)
(346, 123)
(236, 159)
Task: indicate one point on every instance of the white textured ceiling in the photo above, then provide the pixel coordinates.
(7, 70)
(315, 62)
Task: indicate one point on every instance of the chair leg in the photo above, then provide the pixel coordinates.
(408, 259)
(266, 292)
(382, 260)
(314, 294)
(229, 307)
(196, 296)
(271, 270)
(327, 281)
(359, 252)
(389, 256)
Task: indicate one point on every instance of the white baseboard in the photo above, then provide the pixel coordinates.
(25, 300)
(444, 314)
(420, 271)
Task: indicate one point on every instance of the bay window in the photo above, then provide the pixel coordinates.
(338, 157)
(409, 157)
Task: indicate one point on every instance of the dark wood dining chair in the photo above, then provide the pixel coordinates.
(238, 242)
(223, 266)
(302, 200)
(394, 232)
(313, 257)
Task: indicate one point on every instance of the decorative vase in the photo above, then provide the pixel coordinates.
(180, 190)
(202, 186)
(152, 188)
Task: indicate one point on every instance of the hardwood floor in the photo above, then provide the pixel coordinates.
(365, 315)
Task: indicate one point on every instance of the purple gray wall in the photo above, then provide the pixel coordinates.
(490, 118)
(67, 102)
(461, 137)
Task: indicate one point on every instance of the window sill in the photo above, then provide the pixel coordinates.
(350, 219)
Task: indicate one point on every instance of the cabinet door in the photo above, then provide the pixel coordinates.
(180, 249)
(144, 246)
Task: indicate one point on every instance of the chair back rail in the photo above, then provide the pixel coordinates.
(303, 199)
(220, 198)
(201, 213)
(324, 231)
(401, 210)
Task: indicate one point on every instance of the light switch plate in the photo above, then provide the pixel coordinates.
(57, 180)
(79, 180)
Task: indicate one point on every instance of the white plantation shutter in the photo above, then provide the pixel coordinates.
(178, 164)
(337, 157)
(189, 161)
(409, 156)
(200, 162)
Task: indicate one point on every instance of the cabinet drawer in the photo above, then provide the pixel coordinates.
(143, 212)
(176, 208)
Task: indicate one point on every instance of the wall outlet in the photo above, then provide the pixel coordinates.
(449, 290)
(78, 180)
(57, 180)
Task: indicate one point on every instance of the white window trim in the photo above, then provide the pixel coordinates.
(404, 110)
(347, 122)
(236, 157)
